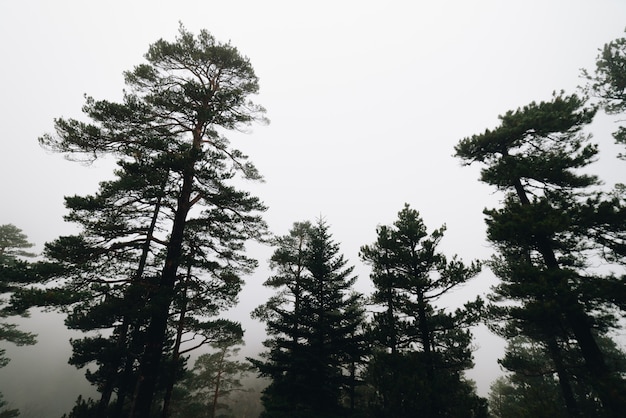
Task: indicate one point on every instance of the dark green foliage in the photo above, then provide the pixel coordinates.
(421, 350)
(609, 82)
(162, 245)
(314, 321)
(82, 409)
(547, 230)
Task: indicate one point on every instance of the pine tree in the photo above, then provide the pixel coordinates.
(314, 322)
(421, 349)
(543, 236)
(214, 377)
(177, 169)
(531, 389)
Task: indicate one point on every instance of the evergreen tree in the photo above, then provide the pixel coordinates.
(531, 388)
(14, 273)
(608, 82)
(314, 321)
(208, 386)
(543, 237)
(422, 350)
(177, 169)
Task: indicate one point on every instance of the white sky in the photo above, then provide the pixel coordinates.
(367, 100)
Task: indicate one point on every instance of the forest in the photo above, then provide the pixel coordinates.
(160, 257)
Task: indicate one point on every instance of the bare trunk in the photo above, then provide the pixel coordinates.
(425, 335)
(155, 335)
(564, 378)
(130, 297)
(176, 352)
(218, 381)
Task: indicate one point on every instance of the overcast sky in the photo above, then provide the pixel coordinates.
(366, 100)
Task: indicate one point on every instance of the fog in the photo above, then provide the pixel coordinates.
(367, 100)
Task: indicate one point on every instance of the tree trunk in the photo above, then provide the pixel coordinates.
(425, 335)
(155, 335)
(131, 297)
(176, 352)
(608, 388)
(218, 381)
(564, 377)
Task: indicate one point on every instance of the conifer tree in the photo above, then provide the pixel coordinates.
(314, 322)
(177, 169)
(421, 349)
(214, 377)
(544, 237)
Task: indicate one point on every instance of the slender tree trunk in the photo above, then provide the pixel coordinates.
(155, 334)
(127, 374)
(428, 354)
(218, 381)
(176, 352)
(112, 369)
(564, 377)
(132, 299)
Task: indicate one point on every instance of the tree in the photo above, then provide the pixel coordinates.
(14, 273)
(314, 322)
(609, 82)
(211, 381)
(170, 124)
(531, 389)
(421, 349)
(7, 413)
(542, 237)
(12, 244)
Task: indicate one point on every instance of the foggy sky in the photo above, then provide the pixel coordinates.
(366, 99)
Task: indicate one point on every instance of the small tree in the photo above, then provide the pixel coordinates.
(214, 377)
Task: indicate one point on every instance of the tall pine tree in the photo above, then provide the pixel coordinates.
(177, 169)
(543, 234)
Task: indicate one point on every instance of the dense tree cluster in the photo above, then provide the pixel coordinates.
(160, 255)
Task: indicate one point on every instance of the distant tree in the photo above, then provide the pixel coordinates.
(247, 402)
(12, 244)
(169, 129)
(14, 274)
(82, 408)
(545, 233)
(314, 322)
(7, 413)
(209, 385)
(532, 389)
(422, 350)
